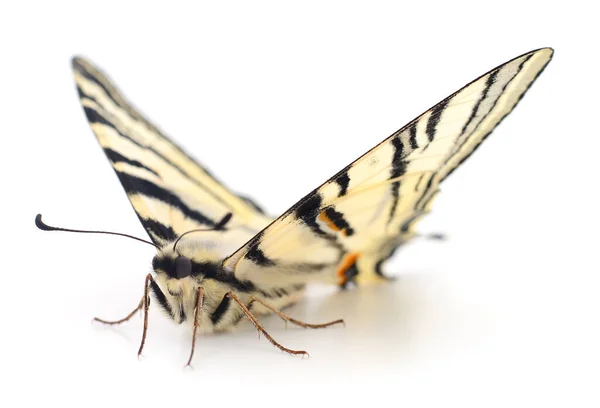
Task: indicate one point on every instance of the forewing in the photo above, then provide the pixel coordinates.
(369, 208)
(170, 192)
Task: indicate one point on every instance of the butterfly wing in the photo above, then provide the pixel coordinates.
(170, 192)
(355, 220)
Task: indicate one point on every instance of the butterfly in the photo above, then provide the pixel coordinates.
(220, 258)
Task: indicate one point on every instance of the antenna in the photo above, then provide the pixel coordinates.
(218, 226)
(45, 227)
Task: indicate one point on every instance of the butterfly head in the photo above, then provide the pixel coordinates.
(184, 259)
(178, 275)
(175, 266)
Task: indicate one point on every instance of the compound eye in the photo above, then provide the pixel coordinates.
(183, 267)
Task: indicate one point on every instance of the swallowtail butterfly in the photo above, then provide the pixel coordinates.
(220, 258)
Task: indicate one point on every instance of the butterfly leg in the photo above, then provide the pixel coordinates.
(197, 316)
(149, 283)
(123, 320)
(260, 328)
(290, 319)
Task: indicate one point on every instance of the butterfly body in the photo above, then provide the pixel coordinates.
(212, 273)
(219, 312)
(176, 291)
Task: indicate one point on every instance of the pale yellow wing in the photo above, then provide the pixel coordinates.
(355, 220)
(170, 192)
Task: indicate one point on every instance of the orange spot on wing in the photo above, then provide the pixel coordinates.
(326, 220)
(347, 262)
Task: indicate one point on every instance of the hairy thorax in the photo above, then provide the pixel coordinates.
(177, 290)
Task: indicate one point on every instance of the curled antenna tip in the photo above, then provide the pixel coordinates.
(223, 221)
(40, 224)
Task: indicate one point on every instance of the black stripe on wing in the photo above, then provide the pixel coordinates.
(495, 73)
(431, 130)
(338, 220)
(434, 119)
(308, 210)
(343, 180)
(137, 185)
(116, 157)
(94, 116)
(491, 80)
(256, 255)
(97, 77)
(413, 136)
(398, 169)
(158, 229)
(488, 84)
(107, 88)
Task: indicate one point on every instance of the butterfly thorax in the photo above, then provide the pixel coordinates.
(177, 287)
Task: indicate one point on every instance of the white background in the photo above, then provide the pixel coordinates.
(274, 98)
